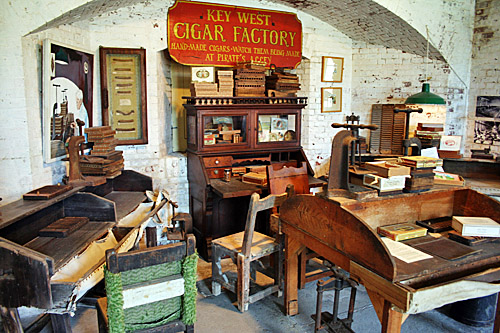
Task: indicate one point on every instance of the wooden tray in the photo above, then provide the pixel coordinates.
(63, 227)
(46, 192)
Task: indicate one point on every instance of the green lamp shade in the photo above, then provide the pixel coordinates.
(62, 57)
(425, 97)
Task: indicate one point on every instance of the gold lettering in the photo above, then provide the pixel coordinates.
(273, 37)
(195, 34)
(218, 33)
(177, 27)
(292, 37)
(236, 32)
(283, 35)
(243, 17)
(245, 35)
(207, 32)
(210, 16)
(252, 35)
(217, 15)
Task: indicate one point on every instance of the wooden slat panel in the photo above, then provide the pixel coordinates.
(25, 277)
(144, 258)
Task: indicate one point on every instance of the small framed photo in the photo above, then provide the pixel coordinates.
(202, 74)
(332, 69)
(331, 99)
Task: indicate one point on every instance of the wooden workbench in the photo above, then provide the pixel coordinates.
(344, 232)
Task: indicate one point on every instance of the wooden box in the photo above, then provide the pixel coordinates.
(386, 169)
(384, 184)
(255, 178)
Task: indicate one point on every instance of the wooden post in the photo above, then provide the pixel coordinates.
(292, 248)
(391, 319)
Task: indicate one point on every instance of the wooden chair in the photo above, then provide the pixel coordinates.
(299, 178)
(150, 290)
(245, 248)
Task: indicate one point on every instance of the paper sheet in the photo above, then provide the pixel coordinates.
(404, 252)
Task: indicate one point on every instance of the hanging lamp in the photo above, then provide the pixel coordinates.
(425, 96)
(62, 57)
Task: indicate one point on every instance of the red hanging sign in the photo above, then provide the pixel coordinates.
(222, 35)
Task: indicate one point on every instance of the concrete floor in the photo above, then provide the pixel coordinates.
(219, 314)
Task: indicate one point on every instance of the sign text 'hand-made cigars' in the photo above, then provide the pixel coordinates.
(223, 35)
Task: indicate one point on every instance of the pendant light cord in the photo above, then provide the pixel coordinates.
(427, 53)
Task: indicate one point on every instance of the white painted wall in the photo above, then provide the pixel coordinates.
(21, 164)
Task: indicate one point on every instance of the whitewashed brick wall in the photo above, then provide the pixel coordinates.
(369, 77)
(485, 71)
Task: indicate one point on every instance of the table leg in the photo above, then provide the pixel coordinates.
(391, 319)
(292, 248)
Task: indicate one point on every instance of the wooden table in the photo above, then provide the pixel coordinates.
(52, 273)
(343, 232)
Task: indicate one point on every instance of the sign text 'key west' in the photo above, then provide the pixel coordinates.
(222, 35)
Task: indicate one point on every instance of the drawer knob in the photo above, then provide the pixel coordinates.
(217, 161)
(216, 172)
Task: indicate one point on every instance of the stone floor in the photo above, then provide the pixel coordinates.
(219, 314)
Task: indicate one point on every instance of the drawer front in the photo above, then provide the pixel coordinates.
(218, 161)
(215, 173)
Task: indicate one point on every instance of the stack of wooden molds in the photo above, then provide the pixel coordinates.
(204, 89)
(422, 175)
(103, 160)
(280, 84)
(226, 83)
(250, 80)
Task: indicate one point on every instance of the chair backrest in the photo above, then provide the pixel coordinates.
(151, 287)
(258, 205)
(279, 179)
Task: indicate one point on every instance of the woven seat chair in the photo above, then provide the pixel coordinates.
(245, 248)
(150, 290)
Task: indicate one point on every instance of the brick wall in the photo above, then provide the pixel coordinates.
(485, 70)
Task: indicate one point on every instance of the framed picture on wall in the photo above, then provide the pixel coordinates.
(123, 94)
(68, 76)
(331, 99)
(332, 69)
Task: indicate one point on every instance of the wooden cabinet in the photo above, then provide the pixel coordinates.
(225, 133)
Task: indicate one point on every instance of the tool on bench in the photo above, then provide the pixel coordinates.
(338, 176)
(415, 143)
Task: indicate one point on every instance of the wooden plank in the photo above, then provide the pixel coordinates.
(17, 210)
(125, 202)
(25, 277)
(153, 291)
(79, 204)
(47, 192)
(64, 249)
(234, 188)
(387, 289)
(144, 258)
(63, 227)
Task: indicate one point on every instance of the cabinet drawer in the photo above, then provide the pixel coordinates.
(218, 161)
(215, 173)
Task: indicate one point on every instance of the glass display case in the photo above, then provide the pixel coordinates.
(239, 126)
